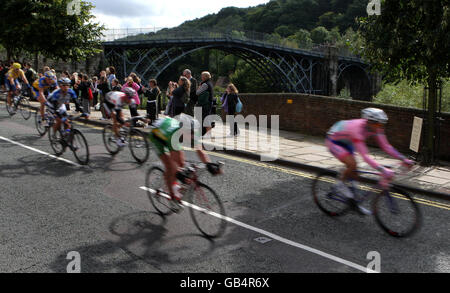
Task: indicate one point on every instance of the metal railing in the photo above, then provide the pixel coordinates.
(142, 34)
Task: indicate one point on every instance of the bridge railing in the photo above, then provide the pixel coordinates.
(141, 34)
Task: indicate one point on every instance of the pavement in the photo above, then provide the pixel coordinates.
(304, 151)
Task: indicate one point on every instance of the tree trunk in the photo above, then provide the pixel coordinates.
(36, 61)
(429, 149)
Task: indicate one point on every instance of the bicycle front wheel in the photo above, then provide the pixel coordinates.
(326, 197)
(396, 212)
(25, 108)
(80, 147)
(42, 130)
(157, 191)
(207, 211)
(109, 139)
(138, 145)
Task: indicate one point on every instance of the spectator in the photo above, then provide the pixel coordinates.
(75, 83)
(84, 87)
(2, 75)
(95, 91)
(116, 85)
(131, 84)
(30, 73)
(205, 94)
(137, 80)
(192, 95)
(152, 94)
(229, 101)
(103, 88)
(110, 74)
(179, 93)
(65, 74)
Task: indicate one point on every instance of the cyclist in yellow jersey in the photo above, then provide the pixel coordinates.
(40, 86)
(12, 80)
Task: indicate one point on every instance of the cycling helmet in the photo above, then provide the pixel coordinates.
(374, 115)
(64, 81)
(16, 65)
(129, 92)
(49, 74)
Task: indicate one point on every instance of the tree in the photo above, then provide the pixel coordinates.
(410, 39)
(320, 35)
(45, 26)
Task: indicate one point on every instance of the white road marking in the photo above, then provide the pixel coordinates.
(276, 237)
(40, 152)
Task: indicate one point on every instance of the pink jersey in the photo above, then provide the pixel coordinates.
(353, 133)
(136, 87)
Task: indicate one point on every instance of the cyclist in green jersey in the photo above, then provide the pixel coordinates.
(166, 137)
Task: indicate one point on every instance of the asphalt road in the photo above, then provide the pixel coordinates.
(50, 207)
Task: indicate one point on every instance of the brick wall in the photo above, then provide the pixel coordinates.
(314, 115)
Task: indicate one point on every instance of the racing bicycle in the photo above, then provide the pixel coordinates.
(206, 208)
(137, 140)
(395, 211)
(72, 139)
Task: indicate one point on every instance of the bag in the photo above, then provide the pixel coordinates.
(90, 95)
(203, 99)
(239, 106)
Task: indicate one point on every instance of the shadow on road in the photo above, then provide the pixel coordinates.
(139, 244)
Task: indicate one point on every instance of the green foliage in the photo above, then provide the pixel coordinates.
(44, 26)
(409, 40)
(345, 94)
(248, 80)
(407, 94)
(320, 35)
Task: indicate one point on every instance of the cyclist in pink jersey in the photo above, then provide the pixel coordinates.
(347, 136)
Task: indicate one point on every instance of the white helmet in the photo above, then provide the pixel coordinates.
(375, 115)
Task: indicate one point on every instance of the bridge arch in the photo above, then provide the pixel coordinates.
(284, 69)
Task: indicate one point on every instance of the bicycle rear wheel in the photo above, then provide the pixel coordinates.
(326, 197)
(109, 139)
(42, 130)
(80, 147)
(56, 141)
(396, 212)
(157, 191)
(25, 108)
(139, 146)
(207, 211)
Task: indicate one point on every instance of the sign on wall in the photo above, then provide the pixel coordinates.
(416, 134)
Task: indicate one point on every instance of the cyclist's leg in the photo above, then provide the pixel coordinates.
(42, 100)
(346, 157)
(10, 88)
(170, 171)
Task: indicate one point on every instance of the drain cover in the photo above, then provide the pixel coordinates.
(262, 239)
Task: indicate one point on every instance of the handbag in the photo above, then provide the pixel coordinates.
(238, 106)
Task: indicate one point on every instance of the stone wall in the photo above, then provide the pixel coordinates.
(314, 115)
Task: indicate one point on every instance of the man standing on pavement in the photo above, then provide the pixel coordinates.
(193, 95)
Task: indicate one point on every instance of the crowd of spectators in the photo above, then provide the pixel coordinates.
(184, 96)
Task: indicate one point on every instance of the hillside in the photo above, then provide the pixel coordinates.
(284, 17)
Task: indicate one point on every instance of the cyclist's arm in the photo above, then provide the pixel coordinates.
(362, 149)
(24, 78)
(387, 147)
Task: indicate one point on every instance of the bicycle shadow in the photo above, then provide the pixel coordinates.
(38, 165)
(138, 245)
